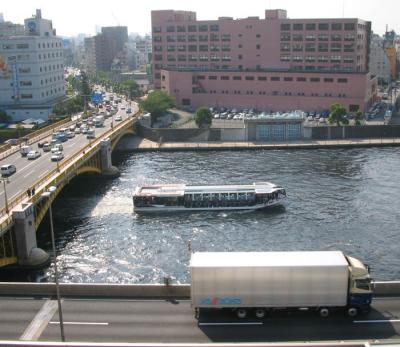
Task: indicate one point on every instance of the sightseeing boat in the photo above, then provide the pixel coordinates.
(182, 197)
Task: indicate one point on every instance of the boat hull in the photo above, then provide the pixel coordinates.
(163, 209)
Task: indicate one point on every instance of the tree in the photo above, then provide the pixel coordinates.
(337, 114)
(203, 117)
(131, 88)
(157, 103)
(4, 117)
(19, 127)
(357, 117)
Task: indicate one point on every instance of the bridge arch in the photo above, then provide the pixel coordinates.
(115, 140)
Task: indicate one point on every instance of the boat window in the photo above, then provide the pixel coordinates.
(232, 196)
(206, 196)
(214, 196)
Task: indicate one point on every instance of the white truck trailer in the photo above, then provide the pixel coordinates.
(264, 281)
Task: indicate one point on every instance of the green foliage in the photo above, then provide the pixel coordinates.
(157, 103)
(4, 118)
(338, 111)
(203, 117)
(357, 117)
(69, 107)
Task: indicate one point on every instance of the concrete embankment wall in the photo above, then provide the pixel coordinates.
(309, 133)
(139, 291)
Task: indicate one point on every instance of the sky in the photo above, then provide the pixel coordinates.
(71, 17)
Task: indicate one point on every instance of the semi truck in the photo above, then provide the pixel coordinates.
(258, 282)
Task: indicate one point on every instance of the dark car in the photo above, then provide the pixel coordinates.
(41, 143)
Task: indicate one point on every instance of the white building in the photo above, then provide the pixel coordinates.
(31, 70)
(379, 64)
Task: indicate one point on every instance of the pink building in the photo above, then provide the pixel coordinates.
(272, 64)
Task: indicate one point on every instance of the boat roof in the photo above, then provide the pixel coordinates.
(181, 189)
(267, 259)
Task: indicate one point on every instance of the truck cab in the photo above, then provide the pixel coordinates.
(360, 285)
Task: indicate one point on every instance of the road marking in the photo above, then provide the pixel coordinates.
(15, 194)
(30, 173)
(41, 320)
(80, 323)
(25, 167)
(377, 321)
(244, 323)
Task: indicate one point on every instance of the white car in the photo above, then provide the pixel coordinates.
(33, 154)
(77, 130)
(84, 130)
(118, 118)
(70, 134)
(57, 156)
(57, 148)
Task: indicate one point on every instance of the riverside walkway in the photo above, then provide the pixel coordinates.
(140, 144)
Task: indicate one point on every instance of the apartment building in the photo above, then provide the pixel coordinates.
(379, 64)
(31, 70)
(272, 64)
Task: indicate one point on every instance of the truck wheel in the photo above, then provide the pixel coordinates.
(324, 312)
(352, 312)
(260, 313)
(241, 313)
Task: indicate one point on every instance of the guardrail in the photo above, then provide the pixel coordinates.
(84, 152)
(159, 291)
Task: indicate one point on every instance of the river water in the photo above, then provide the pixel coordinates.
(338, 199)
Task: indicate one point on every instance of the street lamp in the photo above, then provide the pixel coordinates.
(5, 192)
(47, 195)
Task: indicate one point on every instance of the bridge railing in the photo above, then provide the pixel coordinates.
(85, 152)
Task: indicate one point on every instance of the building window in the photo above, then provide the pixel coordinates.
(342, 80)
(25, 83)
(170, 29)
(192, 48)
(203, 27)
(323, 26)
(310, 58)
(298, 26)
(275, 78)
(226, 48)
(181, 38)
(203, 57)
(322, 47)
(297, 37)
(225, 78)
(285, 36)
(214, 37)
(26, 96)
(349, 26)
(24, 70)
(203, 48)
(336, 26)
(214, 27)
(328, 80)
(157, 38)
(237, 78)
(212, 77)
(285, 26)
(171, 38)
(181, 48)
(288, 79)
(181, 57)
(214, 57)
(158, 57)
(310, 26)
(226, 37)
(301, 79)
(22, 45)
(192, 28)
(285, 47)
(349, 37)
(297, 47)
(170, 48)
(258, 46)
(336, 37)
(249, 78)
(258, 36)
(262, 78)
(192, 57)
(180, 28)
(203, 38)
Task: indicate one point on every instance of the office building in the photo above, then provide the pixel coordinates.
(379, 64)
(31, 70)
(272, 64)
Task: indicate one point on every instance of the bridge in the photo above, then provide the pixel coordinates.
(22, 206)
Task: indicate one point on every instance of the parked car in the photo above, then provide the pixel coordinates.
(57, 156)
(7, 170)
(33, 154)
